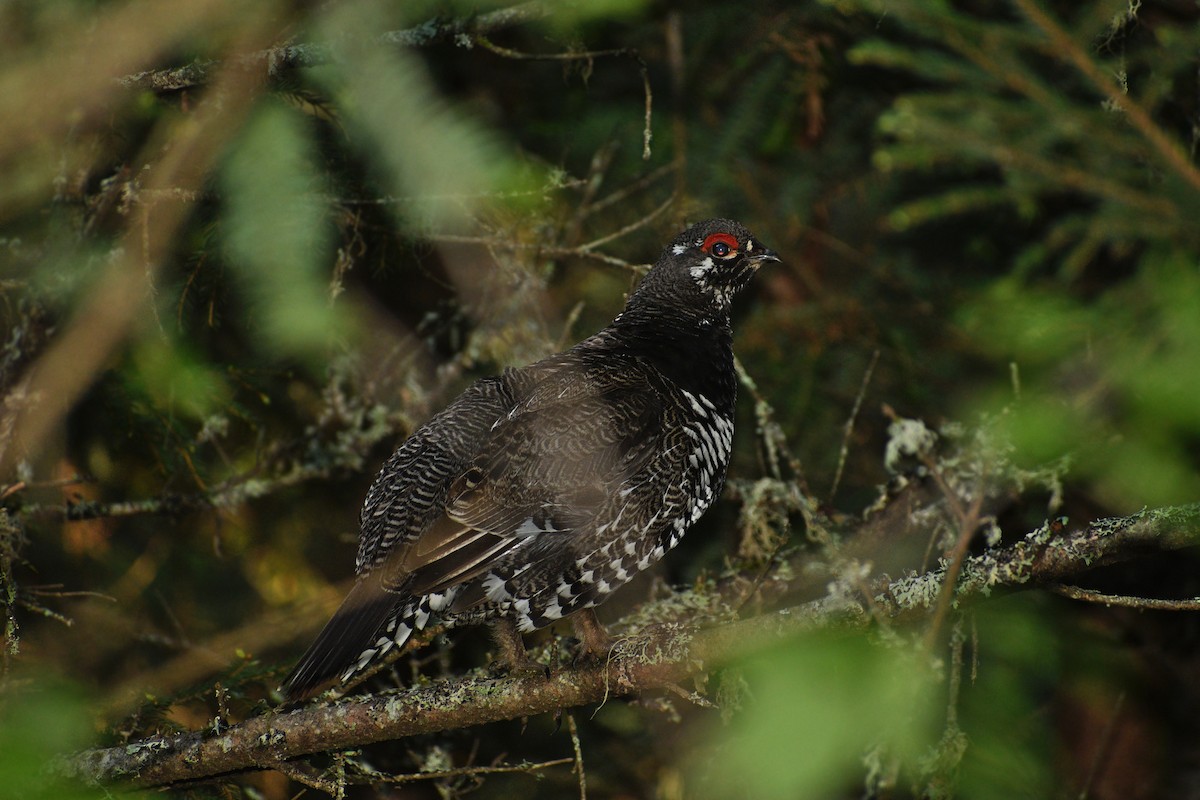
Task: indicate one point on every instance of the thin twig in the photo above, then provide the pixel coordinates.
(12, 489)
(56, 590)
(968, 525)
(1106, 739)
(954, 684)
(601, 160)
(1127, 601)
(460, 772)
(572, 317)
(619, 195)
(307, 776)
(506, 244)
(579, 771)
(695, 698)
(587, 55)
(569, 55)
(641, 222)
(647, 130)
(769, 430)
(848, 428)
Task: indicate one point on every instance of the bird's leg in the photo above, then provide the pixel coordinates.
(512, 657)
(596, 642)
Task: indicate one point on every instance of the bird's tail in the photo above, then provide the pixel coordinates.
(369, 622)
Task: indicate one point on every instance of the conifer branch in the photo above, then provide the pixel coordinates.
(1063, 45)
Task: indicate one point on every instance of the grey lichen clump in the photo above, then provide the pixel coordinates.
(670, 644)
(272, 738)
(909, 441)
(699, 604)
(916, 591)
(764, 523)
(114, 763)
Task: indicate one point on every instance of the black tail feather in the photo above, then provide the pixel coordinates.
(354, 628)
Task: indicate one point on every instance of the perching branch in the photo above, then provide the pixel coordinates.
(653, 658)
(310, 54)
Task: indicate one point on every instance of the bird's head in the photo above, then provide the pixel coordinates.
(706, 266)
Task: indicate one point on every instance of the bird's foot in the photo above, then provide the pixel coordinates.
(512, 658)
(525, 668)
(595, 643)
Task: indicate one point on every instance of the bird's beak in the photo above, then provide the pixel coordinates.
(758, 259)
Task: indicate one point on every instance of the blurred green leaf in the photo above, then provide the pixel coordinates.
(276, 233)
(432, 158)
(1009, 752)
(35, 728)
(176, 379)
(815, 707)
(1113, 381)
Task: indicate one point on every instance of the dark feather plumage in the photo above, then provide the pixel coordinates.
(538, 492)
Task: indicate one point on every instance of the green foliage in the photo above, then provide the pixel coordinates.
(1113, 381)
(1009, 752)
(35, 729)
(1026, 98)
(277, 234)
(176, 379)
(431, 155)
(1062, 121)
(815, 708)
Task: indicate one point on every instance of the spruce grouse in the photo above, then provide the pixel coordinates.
(539, 492)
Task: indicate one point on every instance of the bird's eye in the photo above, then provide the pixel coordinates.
(720, 245)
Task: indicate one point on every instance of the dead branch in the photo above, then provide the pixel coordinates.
(654, 658)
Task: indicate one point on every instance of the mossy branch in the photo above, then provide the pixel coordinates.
(655, 657)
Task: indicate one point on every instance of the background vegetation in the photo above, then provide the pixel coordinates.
(246, 249)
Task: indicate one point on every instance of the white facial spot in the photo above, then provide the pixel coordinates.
(700, 271)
